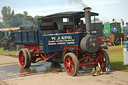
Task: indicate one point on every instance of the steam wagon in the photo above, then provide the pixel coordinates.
(6, 40)
(61, 38)
(112, 34)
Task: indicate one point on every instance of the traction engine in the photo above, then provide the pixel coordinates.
(75, 49)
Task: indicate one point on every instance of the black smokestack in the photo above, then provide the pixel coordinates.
(88, 19)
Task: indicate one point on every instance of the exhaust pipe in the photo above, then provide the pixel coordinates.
(88, 19)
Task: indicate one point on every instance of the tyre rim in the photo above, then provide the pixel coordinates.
(101, 60)
(69, 65)
(21, 58)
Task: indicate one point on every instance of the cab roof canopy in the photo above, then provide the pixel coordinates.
(81, 14)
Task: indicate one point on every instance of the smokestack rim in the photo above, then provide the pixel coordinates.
(87, 8)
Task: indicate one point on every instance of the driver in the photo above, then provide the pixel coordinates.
(81, 27)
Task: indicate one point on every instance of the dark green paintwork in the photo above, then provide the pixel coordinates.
(109, 26)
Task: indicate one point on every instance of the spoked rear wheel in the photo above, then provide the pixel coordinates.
(71, 64)
(24, 59)
(103, 59)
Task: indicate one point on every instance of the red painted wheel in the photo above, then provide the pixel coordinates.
(29, 57)
(103, 59)
(71, 64)
(23, 58)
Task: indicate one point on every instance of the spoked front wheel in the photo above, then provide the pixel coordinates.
(103, 59)
(71, 64)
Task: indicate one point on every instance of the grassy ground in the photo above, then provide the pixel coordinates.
(115, 54)
(6, 52)
(116, 58)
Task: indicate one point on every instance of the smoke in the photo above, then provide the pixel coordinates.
(78, 2)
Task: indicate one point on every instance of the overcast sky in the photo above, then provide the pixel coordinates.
(107, 9)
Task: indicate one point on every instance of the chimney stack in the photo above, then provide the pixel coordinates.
(88, 19)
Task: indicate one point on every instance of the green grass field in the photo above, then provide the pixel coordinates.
(116, 58)
(115, 54)
(6, 52)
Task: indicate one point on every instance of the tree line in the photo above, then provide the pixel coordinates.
(10, 19)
